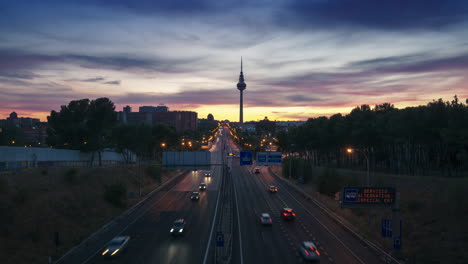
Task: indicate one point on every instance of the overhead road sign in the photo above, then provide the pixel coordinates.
(194, 160)
(368, 197)
(269, 158)
(246, 158)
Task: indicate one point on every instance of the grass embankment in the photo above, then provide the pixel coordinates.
(434, 212)
(75, 202)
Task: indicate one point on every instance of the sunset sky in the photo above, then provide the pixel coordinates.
(302, 58)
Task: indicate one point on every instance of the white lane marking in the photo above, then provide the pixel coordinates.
(238, 223)
(213, 223)
(326, 228)
(127, 226)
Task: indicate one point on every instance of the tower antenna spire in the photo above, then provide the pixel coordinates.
(241, 63)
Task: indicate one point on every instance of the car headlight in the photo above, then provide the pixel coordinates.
(115, 252)
(105, 252)
(180, 231)
(172, 230)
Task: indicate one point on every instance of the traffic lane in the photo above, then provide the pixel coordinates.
(144, 230)
(152, 230)
(251, 239)
(340, 243)
(263, 244)
(311, 230)
(294, 232)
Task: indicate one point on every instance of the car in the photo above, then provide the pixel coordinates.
(257, 170)
(207, 174)
(195, 196)
(265, 219)
(273, 189)
(202, 186)
(287, 214)
(309, 251)
(178, 228)
(115, 246)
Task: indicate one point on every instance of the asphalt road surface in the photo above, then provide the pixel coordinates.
(151, 241)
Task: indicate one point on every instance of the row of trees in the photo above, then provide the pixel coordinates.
(424, 140)
(91, 126)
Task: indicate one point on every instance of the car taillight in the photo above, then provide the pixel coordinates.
(318, 253)
(270, 220)
(307, 252)
(285, 214)
(293, 214)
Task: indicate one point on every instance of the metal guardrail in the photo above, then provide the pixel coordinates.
(386, 257)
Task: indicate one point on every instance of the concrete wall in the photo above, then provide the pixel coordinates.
(21, 157)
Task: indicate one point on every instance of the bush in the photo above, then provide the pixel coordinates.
(115, 194)
(71, 176)
(415, 206)
(154, 172)
(4, 185)
(21, 195)
(329, 182)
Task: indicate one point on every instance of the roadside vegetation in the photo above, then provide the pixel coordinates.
(421, 151)
(35, 204)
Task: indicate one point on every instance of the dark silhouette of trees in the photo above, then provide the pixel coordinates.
(11, 135)
(424, 140)
(82, 124)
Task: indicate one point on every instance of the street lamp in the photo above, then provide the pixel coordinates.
(163, 145)
(351, 150)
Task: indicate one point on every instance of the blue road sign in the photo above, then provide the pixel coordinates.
(246, 158)
(261, 158)
(397, 243)
(350, 195)
(274, 158)
(386, 227)
(219, 239)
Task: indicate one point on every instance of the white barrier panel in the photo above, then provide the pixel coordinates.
(187, 160)
(21, 154)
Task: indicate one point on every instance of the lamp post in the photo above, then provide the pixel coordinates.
(351, 150)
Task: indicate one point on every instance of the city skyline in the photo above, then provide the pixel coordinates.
(302, 58)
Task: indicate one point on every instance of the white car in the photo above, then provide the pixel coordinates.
(309, 251)
(265, 219)
(115, 246)
(178, 228)
(207, 174)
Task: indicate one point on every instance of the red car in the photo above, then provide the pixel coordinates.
(287, 214)
(273, 189)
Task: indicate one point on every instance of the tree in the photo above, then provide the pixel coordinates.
(83, 125)
(427, 139)
(11, 136)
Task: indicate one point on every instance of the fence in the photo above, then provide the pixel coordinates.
(13, 158)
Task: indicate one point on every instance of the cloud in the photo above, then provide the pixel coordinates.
(117, 82)
(413, 64)
(95, 80)
(371, 14)
(15, 61)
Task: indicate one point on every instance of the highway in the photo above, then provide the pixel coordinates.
(151, 241)
(279, 243)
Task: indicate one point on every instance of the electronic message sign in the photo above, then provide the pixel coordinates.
(368, 197)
